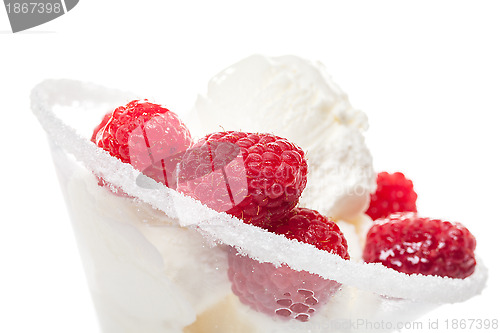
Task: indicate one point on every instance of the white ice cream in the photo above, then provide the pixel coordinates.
(287, 96)
(296, 99)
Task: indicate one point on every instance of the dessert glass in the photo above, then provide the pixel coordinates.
(156, 261)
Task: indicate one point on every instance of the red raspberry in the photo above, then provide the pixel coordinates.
(281, 291)
(394, 194)
(103, 123)
(256, 177)
(417, 245)
(146, 135)
(309, 226)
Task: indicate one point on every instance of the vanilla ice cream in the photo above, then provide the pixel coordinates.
(296, 99)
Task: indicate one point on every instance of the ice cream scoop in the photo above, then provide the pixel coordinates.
(295, 98)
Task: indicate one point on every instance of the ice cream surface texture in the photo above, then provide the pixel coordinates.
(296, 99)
(288, 96)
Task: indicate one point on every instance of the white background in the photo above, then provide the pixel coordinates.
(427, 74)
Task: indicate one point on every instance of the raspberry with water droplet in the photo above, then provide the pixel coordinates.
(281, 291)
(412, 244)
(146, 135)
(255, 177)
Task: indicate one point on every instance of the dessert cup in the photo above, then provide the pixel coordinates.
(156, 260)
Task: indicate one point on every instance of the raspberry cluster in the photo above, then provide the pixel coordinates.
(256, 177)
(403, 240)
